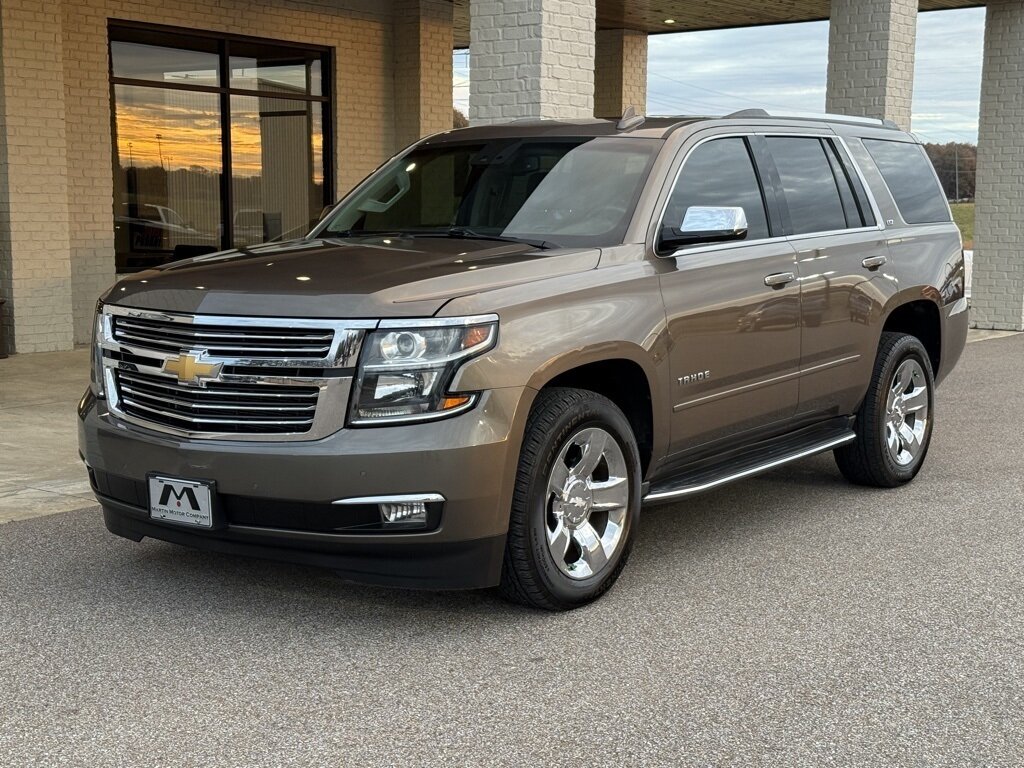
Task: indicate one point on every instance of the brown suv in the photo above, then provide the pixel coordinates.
(500, 345)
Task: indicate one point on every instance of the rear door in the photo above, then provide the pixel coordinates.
(734, 340)
(842, 261)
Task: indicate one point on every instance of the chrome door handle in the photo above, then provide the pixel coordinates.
(874, 262)
(779, 279)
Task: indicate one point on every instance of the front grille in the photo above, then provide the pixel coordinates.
(236, 341)
(221, 407)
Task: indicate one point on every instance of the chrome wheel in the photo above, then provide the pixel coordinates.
(587, 503)
(906, 421)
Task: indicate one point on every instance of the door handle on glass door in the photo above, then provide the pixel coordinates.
(779, 279)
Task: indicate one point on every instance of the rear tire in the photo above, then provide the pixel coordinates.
(894, 424)
(576, 502)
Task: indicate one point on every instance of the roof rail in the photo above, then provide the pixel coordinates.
(630, 119)
(749, 113)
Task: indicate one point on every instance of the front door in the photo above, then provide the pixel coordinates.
(733, 311)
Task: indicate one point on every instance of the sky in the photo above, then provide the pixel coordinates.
(784, 67)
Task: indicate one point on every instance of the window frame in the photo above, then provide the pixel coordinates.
(767, 187)
(856, 181)
(888, 189)
(126, 31)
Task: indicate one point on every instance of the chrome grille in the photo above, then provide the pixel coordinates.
(224, 407)
(218, 377)
(227, 340)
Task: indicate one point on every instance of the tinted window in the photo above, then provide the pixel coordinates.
(908, 173)
(569, 192)
(853, 217)
(867, 215)
(809, 185)
(720, 173)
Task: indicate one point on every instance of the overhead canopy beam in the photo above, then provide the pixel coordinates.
(710, 14)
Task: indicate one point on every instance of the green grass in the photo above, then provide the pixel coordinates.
(963, 215)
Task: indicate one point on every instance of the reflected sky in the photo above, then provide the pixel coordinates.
(181, 130)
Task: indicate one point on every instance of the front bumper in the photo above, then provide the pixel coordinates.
(469, 459)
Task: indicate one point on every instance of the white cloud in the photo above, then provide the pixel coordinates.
(784, 67)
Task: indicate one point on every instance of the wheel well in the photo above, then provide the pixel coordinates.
(625, 384)
(920, 319)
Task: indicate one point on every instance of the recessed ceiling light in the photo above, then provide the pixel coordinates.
(303, 278)
(670, 21)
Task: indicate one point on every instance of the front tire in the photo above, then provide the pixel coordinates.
(576, 502)
(894, 424)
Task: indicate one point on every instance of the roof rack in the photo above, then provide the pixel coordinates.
(748, 113)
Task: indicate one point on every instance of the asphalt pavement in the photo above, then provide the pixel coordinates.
(787, 620)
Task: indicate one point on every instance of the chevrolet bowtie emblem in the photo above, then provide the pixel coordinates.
(190, 370)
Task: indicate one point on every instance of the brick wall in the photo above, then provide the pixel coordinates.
(998, 283)
(35, 269)
(423, 68)
(531, 58)
(56, 185)
(871, 59)
(620, 72)
(360, 33)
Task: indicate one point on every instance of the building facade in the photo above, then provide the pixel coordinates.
(133, 132)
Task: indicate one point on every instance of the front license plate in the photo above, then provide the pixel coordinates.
(187, 502)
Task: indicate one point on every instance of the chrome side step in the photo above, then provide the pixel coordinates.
(708, 477)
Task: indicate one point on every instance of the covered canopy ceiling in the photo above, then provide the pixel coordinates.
(689, 15)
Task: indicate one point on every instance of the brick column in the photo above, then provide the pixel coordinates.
(423, 68)
(871, 59)
(531, 58)
(997, 295)
(35, 258)
(620, 72)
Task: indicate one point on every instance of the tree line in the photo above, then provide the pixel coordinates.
(956, 165)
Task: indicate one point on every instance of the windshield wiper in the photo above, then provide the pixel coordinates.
(469, 234)
(366, 233)
(452, 232)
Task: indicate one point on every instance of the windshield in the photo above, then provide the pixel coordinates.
(562, 192)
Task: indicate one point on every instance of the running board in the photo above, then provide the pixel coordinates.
(705, 476)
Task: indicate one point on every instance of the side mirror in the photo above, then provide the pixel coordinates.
(705, 224)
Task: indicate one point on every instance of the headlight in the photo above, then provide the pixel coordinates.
(96, 369)
(405, 369)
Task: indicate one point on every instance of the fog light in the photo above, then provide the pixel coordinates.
(405, 512)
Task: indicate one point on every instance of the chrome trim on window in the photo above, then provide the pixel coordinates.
(826, 133)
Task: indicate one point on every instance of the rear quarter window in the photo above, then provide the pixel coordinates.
(908, 173)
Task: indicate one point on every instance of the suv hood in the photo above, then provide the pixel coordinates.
(351, 278)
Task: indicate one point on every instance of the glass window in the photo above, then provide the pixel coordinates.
(809, 185)
(191, 179)
(173, 66)
(908, 173)
(844, 167)
(720, 173)
(167, 189)
(846, 194)
(277, 168)
(567, 192)
(289, 70)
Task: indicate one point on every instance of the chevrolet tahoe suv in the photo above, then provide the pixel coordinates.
(497, 348)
